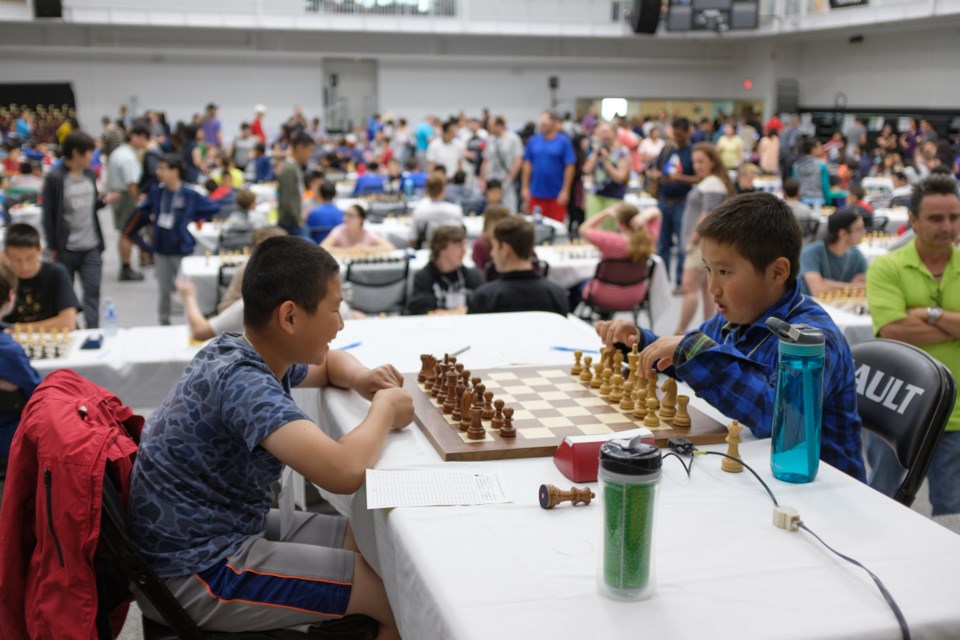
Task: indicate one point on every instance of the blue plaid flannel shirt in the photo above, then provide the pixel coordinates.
(734, 368)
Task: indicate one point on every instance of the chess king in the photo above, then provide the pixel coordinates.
(751, 250)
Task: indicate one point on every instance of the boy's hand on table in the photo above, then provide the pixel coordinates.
(399, 402)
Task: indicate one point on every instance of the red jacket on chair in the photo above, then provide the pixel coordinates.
(70, 431)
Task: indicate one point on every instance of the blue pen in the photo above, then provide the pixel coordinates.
(571, 349)
(352, 345)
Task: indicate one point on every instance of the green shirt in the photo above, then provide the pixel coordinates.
(899, 281)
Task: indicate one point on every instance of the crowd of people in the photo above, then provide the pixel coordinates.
(740, 254)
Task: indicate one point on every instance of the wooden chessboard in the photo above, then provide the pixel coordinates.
(848, 300)
(550, 404)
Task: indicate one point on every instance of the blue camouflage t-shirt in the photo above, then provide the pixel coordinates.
(201, 484)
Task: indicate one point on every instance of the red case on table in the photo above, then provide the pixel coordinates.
(578, 457)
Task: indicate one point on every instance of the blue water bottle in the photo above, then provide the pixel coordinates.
(537, 215)
(798, 408)
(109, 318)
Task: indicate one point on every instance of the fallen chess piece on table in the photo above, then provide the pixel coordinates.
(551, 496)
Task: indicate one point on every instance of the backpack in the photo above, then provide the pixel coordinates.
(71, 434)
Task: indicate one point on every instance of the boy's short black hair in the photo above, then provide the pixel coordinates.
(77, 141)
(808, 145)
(328, 191)
(302, 139)
(791, 187)
(760, 226)
(140, 129)
(281, 269)
(842, 220)
(857, 191)
(493, 183)
(173, 161)
(516, 232)
(22, 235)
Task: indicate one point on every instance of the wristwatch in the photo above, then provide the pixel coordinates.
(933, 314)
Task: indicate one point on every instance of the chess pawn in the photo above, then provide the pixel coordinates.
(617, 361)
(587, 374)
(651, 419)
(682, 419)
(508, 430)
(733, 449)
(616, 392)
(577, 367)
(597, 379)
(606, 386)
(488, 411)
(640, 402)
(478, 399)
(497, 421)
(626, 403)
(652, 391)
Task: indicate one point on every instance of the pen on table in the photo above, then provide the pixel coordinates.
(352, 345)
(572, 349)
(459, 351)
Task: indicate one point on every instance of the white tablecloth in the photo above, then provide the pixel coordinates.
(397, 229)
(855, 328)
(139, 365)
(724, 571)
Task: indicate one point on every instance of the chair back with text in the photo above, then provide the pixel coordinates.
(904, 396)
(378, 286)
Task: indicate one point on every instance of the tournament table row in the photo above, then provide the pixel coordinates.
(723, 570)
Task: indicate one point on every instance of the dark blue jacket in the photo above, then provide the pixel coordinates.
(185, 205)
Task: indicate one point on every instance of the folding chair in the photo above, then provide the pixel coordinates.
(912, 428)
(622, 274)
(378, 287)
(224, 275)
(810, 228)
(875, 223)
(234, 240)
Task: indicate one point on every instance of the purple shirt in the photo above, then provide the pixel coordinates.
(211, 131)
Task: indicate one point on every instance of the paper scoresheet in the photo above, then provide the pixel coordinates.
(423, 488)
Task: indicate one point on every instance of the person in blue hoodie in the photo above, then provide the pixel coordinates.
(17, 378)
(169, 208)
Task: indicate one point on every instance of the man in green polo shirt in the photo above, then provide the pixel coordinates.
(914, 297)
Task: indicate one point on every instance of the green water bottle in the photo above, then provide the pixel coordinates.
(629, 480)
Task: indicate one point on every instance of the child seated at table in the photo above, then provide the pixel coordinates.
(481, 246)
(751, 251)
(351, 233)
(444, 283)
(45, 296)
(17, 378)
(201, 491)
(519, 287)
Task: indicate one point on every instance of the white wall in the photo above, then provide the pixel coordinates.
(180, 88)
(889, 69)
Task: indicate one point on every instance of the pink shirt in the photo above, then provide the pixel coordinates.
(339, 235)
(614, 246)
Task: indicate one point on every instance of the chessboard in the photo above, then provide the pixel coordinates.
(547, 403)
(851, 300)
(49, 344)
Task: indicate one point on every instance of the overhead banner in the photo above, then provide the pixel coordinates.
(841, 4)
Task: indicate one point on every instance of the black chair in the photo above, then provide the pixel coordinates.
(235, 240)
(543, 234)
(378, 286)
(124, 565)
(900, 201)
(875, 223)
(810, 228)
(895, 371)
(225, 275)
(623, 273)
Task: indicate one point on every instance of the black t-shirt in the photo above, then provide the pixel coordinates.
(43, 296)
(519, 291)
(432, 288)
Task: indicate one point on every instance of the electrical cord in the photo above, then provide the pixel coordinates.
(883, 589)
(683, 447)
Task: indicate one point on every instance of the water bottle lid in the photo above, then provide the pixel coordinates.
(617, 456)
(794, 333)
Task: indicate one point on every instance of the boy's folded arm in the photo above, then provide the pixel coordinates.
(341, 369)
(738, 387)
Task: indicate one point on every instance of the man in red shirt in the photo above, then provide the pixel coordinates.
(257, 126)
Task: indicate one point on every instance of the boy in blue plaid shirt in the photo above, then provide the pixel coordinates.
(751, 252)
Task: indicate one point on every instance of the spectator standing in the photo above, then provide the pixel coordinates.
(290, 184)
(548, 167)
